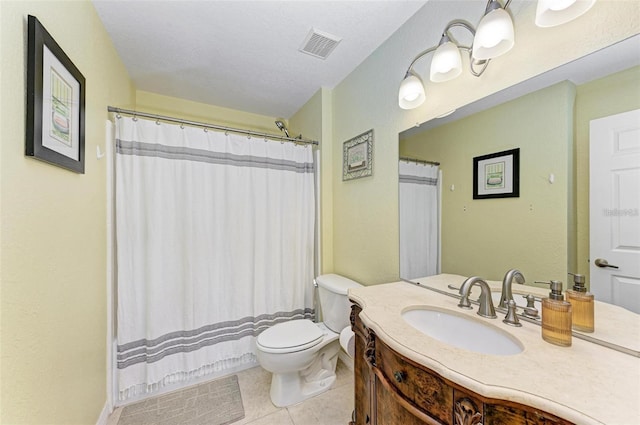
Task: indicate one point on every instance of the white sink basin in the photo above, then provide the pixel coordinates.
(462, 331)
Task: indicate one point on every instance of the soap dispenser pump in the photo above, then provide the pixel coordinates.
(556, 316)
(582, 304)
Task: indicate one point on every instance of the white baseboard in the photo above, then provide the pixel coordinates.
(104, 415)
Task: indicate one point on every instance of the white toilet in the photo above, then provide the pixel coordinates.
(301, 354)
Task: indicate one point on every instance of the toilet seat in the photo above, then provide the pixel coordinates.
(287, 337)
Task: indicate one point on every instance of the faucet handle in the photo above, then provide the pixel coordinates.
(530, 310)
(530, 300)
(512, 318)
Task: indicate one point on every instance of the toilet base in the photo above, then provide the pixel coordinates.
(294, 387)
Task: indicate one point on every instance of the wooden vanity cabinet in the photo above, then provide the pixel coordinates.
(393, 390)
(362, 384)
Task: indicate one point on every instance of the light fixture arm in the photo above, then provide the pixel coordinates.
(490, 7)
(459, 23)
(445, 33)
(418, 57)
(472, 63)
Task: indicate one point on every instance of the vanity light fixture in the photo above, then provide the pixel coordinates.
(445, 65)
(493, 37)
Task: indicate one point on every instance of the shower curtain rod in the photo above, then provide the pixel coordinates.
(418, 161)
(249, 133)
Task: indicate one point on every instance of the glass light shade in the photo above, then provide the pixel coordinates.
(446, 63)
(411, 93)
(494, 36)
(550, 13)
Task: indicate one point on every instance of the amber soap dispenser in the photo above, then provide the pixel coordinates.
(582, 304)
(556, 316)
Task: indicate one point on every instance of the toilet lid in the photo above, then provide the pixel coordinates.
(294, 335)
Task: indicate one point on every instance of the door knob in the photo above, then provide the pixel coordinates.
(601, 262)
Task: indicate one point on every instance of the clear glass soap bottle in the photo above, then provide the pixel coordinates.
(582, 303)
(556, 317)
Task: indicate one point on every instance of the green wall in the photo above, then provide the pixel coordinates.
(53, 230)
(201, 112)
(315, 118)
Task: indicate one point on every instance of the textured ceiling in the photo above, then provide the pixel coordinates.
(244, 54)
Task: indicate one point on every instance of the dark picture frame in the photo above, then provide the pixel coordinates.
(497, 175)
(55, 127)
(357, 156)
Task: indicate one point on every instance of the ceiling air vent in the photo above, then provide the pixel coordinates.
(319, 44)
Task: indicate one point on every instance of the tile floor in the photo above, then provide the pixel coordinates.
(333, 407)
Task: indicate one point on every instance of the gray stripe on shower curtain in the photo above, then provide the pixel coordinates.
(404, 178)
(150, 351)
(125, 147)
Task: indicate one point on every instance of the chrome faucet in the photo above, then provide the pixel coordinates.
(506, 295)
(486, 303)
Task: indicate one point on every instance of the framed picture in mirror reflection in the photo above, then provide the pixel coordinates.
(497, 175)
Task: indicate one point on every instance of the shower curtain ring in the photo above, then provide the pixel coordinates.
(182, 125)
(157, 122)
(135, 118)
(206, 130)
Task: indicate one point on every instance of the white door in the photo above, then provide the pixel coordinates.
(614, 198)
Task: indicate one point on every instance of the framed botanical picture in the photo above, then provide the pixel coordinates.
(497, 175)
(357, 158)
(55, 102)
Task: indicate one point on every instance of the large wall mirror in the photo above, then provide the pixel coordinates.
(544, 231)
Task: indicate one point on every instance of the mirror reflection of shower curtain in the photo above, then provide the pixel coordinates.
(419, 211)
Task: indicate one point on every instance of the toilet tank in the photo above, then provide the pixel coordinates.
(335, 305)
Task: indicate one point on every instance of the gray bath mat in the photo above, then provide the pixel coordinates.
(216, 402)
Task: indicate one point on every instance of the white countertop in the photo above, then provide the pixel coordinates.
(585, 383)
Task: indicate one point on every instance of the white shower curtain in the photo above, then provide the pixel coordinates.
(419, 220)
(215, 242)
